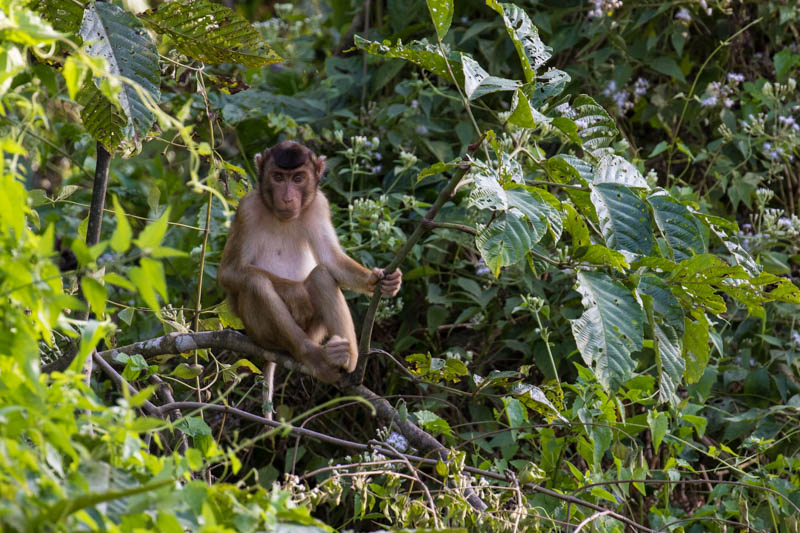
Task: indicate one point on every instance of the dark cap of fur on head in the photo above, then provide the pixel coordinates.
(289, 154)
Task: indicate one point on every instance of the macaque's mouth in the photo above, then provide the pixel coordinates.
(287, 214)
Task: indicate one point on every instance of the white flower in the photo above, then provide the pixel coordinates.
(683, 14)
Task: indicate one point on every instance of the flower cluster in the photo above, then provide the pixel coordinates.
(721, 93)
(603, 8)
(621, 96)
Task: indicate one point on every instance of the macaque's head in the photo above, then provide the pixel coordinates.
(288, 175)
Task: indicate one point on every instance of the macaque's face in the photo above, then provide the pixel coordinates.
(290, 190)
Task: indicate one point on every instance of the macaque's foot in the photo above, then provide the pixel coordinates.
(390, 283)
(331, 360)
(337, 352)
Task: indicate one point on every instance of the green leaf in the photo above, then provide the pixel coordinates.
(678, 226)
(596, 128)
(187, 371)
(64, 15)
(667, 65)
(698, 422)
(478, 82)
(95, 294)
(211, 33)
(658, 423)
(74, 71)
(531, 50)
(436, 168)
(576, 227)
(433, 422)
(539, 213)
(193, 426)
(101, 118)
(615, 169)
(442, 15)
(667, 322)
(505, 242)
(696, 349)
(524, 114)
(121, 238)
(597, 254)
(119, 37)
(610, 328)
(515, 411)
(152, 235)
(115, 279)
(624, 219)
(421, 54)
(784, 61)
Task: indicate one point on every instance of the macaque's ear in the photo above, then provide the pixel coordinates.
(319, 166)
(261, 162)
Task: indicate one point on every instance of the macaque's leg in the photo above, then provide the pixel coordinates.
(331, 308)
(268, 320)
(271, 312)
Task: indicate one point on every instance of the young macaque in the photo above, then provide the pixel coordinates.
(283, 267)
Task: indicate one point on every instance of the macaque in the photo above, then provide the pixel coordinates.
(283, 268)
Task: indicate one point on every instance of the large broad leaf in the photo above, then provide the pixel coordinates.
(118, 36)
(532, 51)
(624, 219)
(478, 82)
(523, 113)
(100, 117)
(488, 191)
(442, 15)
(548, 85)
(537, 205)
(210, 33)
(615, 169)
(505, 242)
(678, 226)
(595, 127)
(667, 321)
(740, 256)
(64, 15)
(695, 347)
(610, 328)
(421, 54)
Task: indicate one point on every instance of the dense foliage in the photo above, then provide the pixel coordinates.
(595, 205)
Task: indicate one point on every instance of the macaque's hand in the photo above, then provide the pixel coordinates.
(390, 283)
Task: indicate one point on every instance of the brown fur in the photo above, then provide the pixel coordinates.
(283, 267)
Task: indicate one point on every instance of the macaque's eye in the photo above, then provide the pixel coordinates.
(298, 178)
(277, 177)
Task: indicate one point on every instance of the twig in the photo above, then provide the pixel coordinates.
(357, 377)
(595, 516)
(122, 382)
(165, 395)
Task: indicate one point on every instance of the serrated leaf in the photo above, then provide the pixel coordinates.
(615, 169)
(540, 213)
(696, 349)
(442, 15)
(478, 82)
(624, 219)
(610, 328)
(421, 54)
(505, 242)
(211, 33)
(433, 422)
(64, 15)
(678, 226)
(119, 37)
(667, 322)
(531, 50)
(101, 118)
(596, 128)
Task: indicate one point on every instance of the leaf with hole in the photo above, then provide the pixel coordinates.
(610, 328)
